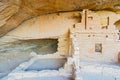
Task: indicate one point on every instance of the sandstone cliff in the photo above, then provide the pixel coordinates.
(14, 12)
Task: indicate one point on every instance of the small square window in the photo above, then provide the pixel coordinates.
(90, 18)
(98, 47)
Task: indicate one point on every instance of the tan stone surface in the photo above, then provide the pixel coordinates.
(46, 26)
(86, 38)
(58, 25)
(73, 37)
(20, 10)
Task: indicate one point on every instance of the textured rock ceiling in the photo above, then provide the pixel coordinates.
(14, 12)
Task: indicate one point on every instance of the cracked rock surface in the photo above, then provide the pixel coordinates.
(14, 12)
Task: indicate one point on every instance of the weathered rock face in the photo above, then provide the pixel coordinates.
(43, 46)
(13, 53)
(41, 35)
(14, 12)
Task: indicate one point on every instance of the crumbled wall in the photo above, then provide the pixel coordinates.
(86, 44)
(53, 26)
(94, 29)
(16, 46)
(63, 45)
(56, 26)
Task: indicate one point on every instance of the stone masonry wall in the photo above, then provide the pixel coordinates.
(97, 31)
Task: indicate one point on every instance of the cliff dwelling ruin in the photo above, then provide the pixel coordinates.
(79, 42)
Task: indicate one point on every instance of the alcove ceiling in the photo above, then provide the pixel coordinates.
(14, 12)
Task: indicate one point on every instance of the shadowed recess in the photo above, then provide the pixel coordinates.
(40, 46)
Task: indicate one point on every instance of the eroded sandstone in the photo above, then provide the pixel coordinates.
(14, 12)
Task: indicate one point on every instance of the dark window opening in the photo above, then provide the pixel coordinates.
(119, 35)
(90, 17)
(117, 24)
(98, 47)
(119, 57)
